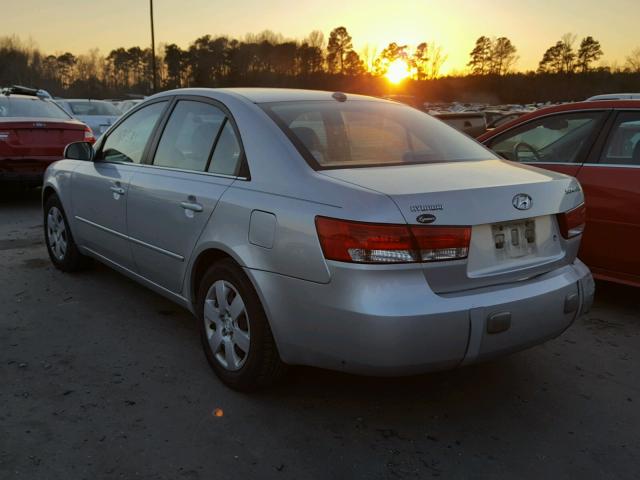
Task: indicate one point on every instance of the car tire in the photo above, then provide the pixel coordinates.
(62, 249)
(236, 336)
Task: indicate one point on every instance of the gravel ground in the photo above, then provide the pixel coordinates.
(101, 378)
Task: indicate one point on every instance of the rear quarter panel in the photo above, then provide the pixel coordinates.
(295, 250)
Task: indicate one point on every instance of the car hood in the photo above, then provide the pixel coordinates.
(467, 193)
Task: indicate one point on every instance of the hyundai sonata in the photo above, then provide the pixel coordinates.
(324, 229)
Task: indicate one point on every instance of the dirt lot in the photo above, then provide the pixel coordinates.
(100, 378)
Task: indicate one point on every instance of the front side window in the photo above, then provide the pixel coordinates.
(189, 136)
(359, 133)
(555, 138)
(126, 143)
(623, 144)
(30, 108)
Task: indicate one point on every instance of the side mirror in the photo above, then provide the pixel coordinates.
(79, 151)
(556, 124)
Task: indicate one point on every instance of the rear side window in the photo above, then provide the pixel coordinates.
(554, 138)
(126, 143)
(189, 136)
(228, 154)
(623, 144)
(359, 133)
(11, 106)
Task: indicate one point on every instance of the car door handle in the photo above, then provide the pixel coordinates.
(118, 190)
(193, 206)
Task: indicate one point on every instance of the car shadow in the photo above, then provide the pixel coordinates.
(11, 195)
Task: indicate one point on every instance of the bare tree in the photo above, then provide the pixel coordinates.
(315, 39)
(436, 60)
(368, 54)
(568, 55)
(633, 60)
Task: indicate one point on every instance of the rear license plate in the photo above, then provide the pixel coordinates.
(514, 239)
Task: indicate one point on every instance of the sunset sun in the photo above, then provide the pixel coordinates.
(398, 70)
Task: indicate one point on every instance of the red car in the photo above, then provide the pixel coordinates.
(33, 134)
(598, 142)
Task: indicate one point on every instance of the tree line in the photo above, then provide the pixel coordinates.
(269, 59)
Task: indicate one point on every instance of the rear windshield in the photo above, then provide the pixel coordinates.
(331, 134)
(93, 108)
(11, 106)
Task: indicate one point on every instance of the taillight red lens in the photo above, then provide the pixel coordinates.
(88, 135)
(572, 223)
(442, 243)
(349, 241)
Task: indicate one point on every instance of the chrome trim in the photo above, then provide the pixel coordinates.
(194, 207)
(134, 240)
(89, 222)
(613, 165)
(533, 164)
(157, 249)
(210, 174)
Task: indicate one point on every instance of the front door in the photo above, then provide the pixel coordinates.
(100, 188)
(612, 191)
(171, 200)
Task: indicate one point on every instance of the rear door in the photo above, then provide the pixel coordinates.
(611, 181)
(559, 142)
(197, 158)
(100, 188)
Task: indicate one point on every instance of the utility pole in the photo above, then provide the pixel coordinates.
(153, 49)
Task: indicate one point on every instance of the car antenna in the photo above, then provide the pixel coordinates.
(339, 96)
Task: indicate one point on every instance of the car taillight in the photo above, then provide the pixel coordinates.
(572, 223)
(358, 242)
(88, 135)
(442, 243)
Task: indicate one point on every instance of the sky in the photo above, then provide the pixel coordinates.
(56, 26)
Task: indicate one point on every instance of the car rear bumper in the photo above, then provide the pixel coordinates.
(388, 322)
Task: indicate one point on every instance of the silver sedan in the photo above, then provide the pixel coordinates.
(323, 229)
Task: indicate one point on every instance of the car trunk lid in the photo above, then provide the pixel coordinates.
(510, 240)
(35, 137)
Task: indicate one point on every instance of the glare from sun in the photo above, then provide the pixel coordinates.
(398, 70)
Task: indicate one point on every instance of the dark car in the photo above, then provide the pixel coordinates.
(599, 144)
(33, 133)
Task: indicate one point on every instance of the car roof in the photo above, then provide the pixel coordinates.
(267, 95)
(81, 100)
(614, 96)
(564, 107)
(25, 97)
